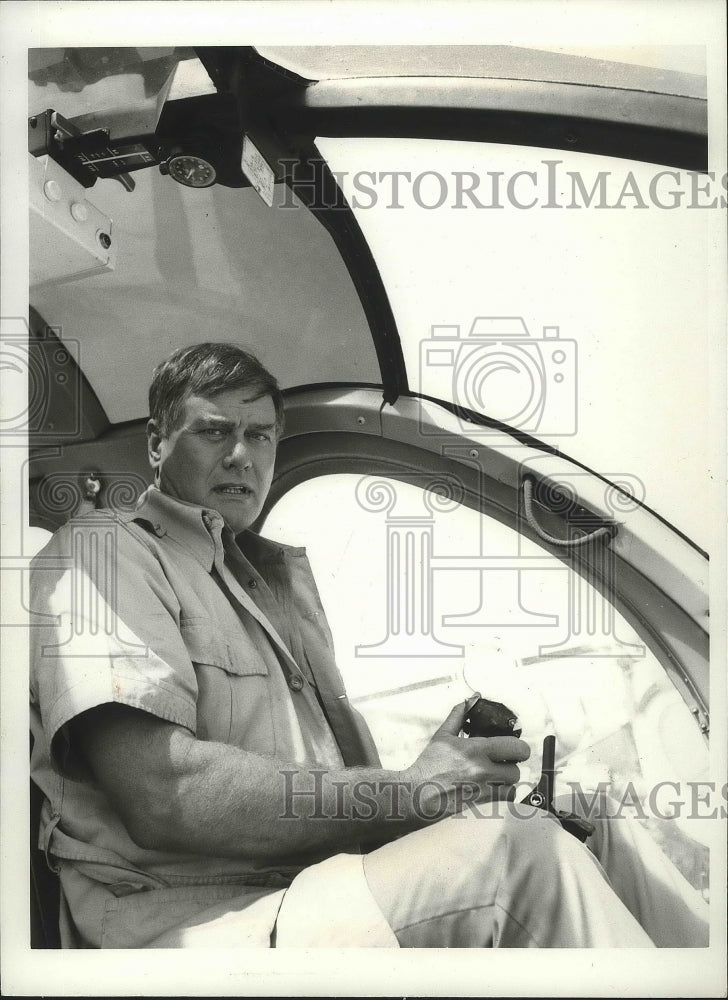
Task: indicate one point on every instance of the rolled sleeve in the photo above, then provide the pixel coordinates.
(106, 630)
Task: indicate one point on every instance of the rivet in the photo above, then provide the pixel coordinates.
(52, 191)
(79, 211)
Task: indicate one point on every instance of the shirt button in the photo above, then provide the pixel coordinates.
(252, 584)
(295, 682)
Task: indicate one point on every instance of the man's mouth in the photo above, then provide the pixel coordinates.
(234, 491)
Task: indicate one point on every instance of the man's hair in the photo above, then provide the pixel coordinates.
(205, 370)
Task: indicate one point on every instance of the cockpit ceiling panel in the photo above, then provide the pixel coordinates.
(212, 264)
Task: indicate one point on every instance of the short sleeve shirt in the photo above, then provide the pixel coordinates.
(165, 611)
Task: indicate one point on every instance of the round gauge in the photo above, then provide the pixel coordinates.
(191, 170)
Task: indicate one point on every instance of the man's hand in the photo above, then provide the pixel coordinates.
(174, 792)
(484, 767)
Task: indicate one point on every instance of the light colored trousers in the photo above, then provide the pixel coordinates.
(512, 881)
(515, 882)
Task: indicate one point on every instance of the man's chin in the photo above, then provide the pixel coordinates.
(236, 519)
(239, 526)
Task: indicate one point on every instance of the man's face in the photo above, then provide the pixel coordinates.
(220, 455)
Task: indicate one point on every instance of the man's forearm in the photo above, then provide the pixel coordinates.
(175, 792)
(229, 802)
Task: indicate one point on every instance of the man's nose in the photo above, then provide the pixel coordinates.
(238, 458)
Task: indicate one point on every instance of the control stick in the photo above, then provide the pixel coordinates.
(491, 718)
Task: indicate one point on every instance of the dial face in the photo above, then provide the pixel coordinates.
(191, 170)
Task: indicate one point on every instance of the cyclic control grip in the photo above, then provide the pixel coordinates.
(486, 718)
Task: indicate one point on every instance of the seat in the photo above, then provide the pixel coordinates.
(45, 886)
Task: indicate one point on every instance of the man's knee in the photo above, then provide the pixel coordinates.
(537, 839)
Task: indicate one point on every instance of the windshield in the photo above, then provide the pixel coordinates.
(566, 294)
(563, 293)
(190, 264)
(622, 65)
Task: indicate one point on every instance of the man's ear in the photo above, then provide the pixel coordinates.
(154, 444)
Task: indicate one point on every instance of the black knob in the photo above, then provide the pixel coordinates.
(490, 718)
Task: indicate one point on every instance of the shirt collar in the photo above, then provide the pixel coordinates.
(196, 528)
(203, 530)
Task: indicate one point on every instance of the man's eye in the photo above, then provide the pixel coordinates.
(260, 435)
(214, 432)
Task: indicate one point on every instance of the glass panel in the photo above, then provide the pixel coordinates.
(419, 624)
(566, 294)
(193, 265)
(610, 65)
(83, 81)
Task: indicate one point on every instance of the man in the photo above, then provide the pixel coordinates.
(203, 767)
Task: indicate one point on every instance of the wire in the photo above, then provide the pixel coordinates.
(570, 543)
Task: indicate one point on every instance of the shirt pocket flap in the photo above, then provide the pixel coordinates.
(234, 654)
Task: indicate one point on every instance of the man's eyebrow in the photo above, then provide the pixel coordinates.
(213, 420)
(225, 423)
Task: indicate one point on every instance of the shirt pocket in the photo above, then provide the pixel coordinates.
(234, 696)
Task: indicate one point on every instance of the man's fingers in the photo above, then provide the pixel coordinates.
(504, 774)
(503, 747)
(454, 722)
